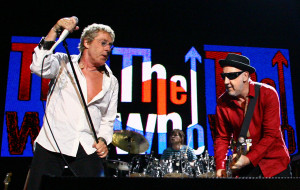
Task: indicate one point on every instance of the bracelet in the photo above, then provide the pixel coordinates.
(103, 140)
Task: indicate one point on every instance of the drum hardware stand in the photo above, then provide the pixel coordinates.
(199, 166)
(129, 140)
(148, 164)
(187, 168)
(205, 166)
(207, 161)
(228, 169)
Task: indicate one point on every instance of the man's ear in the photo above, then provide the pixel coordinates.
(86, 44)
(246, 76)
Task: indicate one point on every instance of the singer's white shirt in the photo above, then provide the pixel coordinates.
(65, 112)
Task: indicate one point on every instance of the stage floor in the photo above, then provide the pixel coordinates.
(141, 183)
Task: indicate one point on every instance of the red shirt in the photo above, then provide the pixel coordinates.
(268, 148)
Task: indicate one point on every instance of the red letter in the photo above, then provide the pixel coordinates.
(17, 138)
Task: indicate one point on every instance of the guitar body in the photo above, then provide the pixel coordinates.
(243, 149)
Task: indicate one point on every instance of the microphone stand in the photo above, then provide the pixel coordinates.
(80, 91)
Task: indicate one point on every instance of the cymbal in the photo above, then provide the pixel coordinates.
(176, 175)
(130, 141)
(207, 175)
(138, 175)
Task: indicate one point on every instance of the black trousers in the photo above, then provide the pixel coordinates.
(251, 171)
(45, 162)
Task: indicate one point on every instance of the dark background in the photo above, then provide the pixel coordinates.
(169, 28)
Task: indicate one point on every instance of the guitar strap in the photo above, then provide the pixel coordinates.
(248, 116)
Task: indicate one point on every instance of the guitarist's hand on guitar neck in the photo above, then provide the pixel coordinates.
(239, 163)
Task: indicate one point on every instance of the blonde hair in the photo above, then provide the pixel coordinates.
(90, 32)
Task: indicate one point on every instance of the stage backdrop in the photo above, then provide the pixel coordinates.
(153, 99)
(166, 62)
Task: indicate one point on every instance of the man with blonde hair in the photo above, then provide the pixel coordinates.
(66, 138)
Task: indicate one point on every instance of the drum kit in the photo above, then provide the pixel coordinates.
(177, 166)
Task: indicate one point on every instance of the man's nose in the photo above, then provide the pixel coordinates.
(226, 80)
(107, 48)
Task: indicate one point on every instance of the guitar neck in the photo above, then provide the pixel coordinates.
(7, 180)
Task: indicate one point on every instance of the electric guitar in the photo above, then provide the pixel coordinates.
(241, 149)
(7, 180)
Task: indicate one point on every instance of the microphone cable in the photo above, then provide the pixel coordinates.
(45, 114)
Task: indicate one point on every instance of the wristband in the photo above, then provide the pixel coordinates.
(46, 45)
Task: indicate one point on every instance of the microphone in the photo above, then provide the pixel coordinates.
(63, 36)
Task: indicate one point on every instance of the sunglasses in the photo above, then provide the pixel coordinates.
(231, 76)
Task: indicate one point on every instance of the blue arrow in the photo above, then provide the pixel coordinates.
(193, 55)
